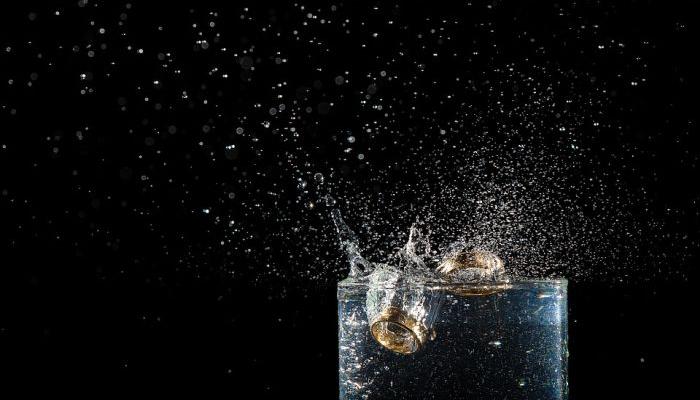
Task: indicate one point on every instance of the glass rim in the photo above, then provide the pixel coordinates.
(516, 282)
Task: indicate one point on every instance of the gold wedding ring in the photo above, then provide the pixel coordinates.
(479, 263)
(398, 331)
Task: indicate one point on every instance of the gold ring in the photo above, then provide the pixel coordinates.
(398, 331)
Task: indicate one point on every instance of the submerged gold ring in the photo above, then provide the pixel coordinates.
(398, 331)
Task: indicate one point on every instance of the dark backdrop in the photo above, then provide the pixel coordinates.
(104, 279)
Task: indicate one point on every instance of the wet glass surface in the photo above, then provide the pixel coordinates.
(484, 342)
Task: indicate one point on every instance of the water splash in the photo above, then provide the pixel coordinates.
(359, 266)
(416, 252)
(416, 261)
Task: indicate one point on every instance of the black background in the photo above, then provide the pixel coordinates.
(92, 290)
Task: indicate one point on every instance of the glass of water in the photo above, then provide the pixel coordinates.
(410, 340)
